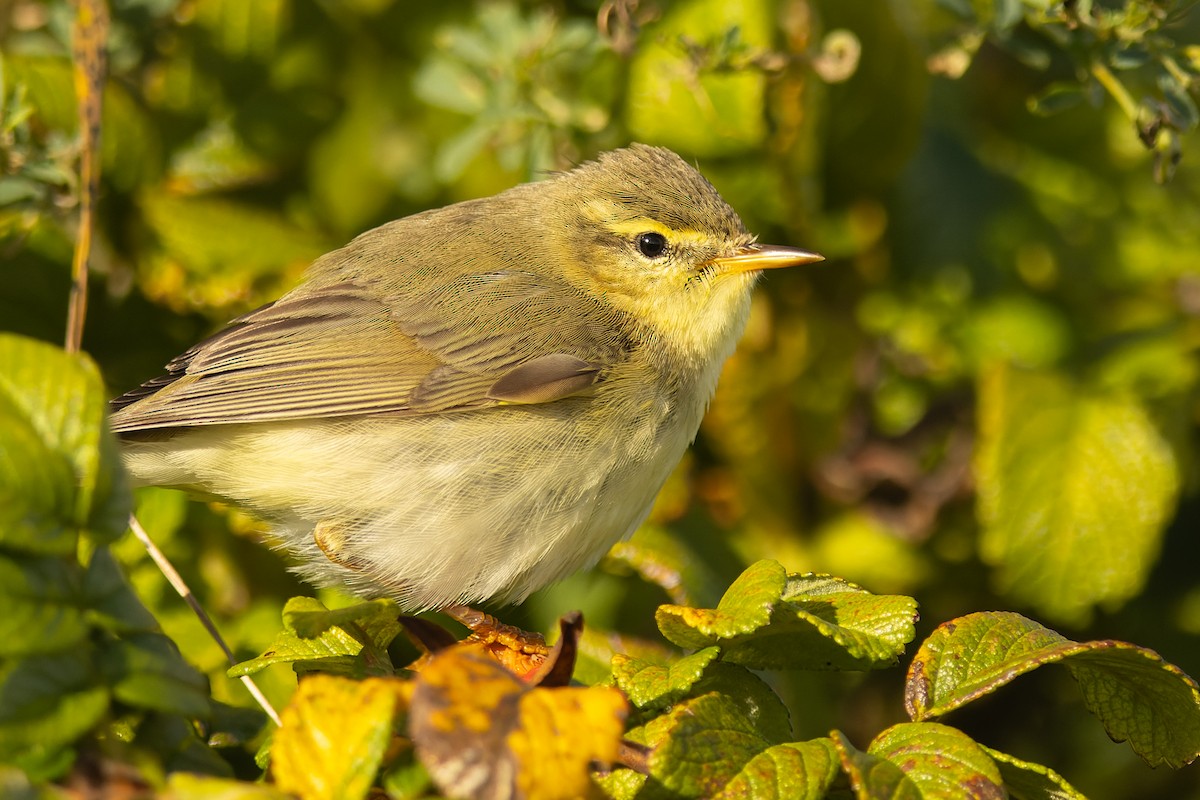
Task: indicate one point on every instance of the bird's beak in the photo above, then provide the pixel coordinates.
(755, 257)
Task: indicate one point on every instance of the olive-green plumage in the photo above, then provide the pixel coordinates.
(474, 401)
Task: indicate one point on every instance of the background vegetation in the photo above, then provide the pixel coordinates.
(986, 398)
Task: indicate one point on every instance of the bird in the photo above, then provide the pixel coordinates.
(470, 403)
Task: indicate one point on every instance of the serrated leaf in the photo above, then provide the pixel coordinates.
(482, 732)
(703, 744)
(58, 463)
(654, 685)
(1025, 780)
(871, 777)
(1074, 489)
(146, 670)
(768, 620)
(334, 735)
(349, 648)
(940, 761)
(744, 608)
(1137, 696)
(791, 771)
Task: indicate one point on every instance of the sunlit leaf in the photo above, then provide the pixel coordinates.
(715, 108)
(872, 777)
(1025, 780)
(768, 619)
(482, 732)
(348, 641)
(650, 685)
(705, 743)
(940, 761)
(1137, 695)
(334, 736)
(1074, 489)
(791, 771)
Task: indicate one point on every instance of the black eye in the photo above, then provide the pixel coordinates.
(651, 244)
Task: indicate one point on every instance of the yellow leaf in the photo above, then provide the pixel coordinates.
(483, 733)
(334, 735)
(561, 731)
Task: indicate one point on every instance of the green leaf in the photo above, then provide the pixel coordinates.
(378, 619)
(356, 647)
(716, 98)
(131, 145)
(1025, 780)
(758, 701)
(665, 559)
(244, 29)
(449, 84)
(792, 771)
(226, 245)
(745, 607)
(871, 777)
(109, 599)
(146, 670)
(58, 463)
(707, 741)
(174, 739)
(1137, 696)
(768, 620)
(1056, 98)
(653, 685)
(46, 703)
(42, 611)
(1074, 490)
(940, 761)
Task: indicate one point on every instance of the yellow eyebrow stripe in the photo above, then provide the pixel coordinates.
(603, 211)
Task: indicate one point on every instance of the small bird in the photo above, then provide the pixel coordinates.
(474, 401)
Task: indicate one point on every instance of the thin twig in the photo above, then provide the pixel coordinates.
(176, 580)
(91, 29)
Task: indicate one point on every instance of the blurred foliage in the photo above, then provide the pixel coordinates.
(987, 398)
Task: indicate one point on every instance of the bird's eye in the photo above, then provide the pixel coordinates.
(651, 244)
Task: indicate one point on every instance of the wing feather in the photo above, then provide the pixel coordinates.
(338, 350)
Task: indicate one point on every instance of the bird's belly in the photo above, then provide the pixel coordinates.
(438, 509)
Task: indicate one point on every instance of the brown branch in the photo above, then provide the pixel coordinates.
(91, 31)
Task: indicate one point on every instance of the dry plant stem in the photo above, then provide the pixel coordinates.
(181, 587)
(91, 29)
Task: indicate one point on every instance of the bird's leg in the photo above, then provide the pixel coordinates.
(487, 629)
(523, 652)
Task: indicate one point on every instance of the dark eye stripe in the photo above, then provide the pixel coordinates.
(651, 244)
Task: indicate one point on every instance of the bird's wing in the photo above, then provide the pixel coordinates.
(337, 350)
